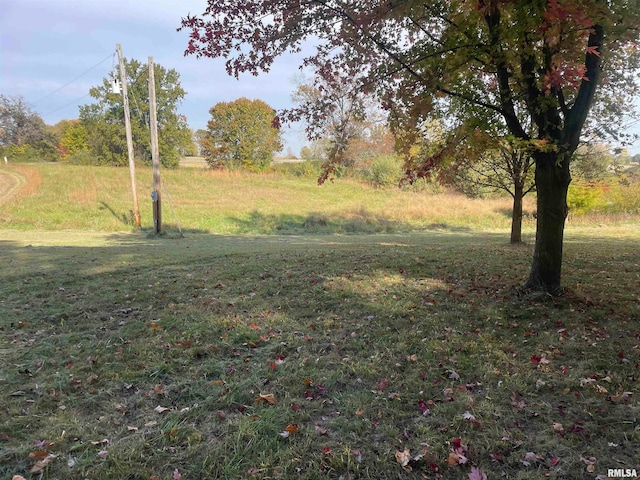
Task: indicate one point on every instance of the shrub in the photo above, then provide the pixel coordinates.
(306, 169)
(584, 198)
(82, 157)
(622, 198)
(385, 171)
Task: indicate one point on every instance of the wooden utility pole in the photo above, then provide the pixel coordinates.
(127, 126)
(155, 154)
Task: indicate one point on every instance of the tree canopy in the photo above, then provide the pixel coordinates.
(534, 65)
(23, 133)
(241, 134)
(104, 120)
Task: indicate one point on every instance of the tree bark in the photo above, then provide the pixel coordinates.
(516, 214)
(552, 184)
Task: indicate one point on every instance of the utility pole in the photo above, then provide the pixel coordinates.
(155, 154)
(127, 126)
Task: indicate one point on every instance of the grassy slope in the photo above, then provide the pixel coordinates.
(64, 197)
(370, 345)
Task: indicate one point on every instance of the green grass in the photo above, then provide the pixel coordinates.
(59, 196)
(370, 345)
(354, 336)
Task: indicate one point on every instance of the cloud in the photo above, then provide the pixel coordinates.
(47, 44)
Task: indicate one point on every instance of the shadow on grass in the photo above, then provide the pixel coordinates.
(356, 222)
(125, 218)
(382, 340)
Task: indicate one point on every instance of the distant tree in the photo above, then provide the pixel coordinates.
(591, 162)
(241, 134)
(73, 141)
(290, 154)
(636, 158)
(200, 137)
(316, 151)
(540, 60)
(191, 148)
(23, 134)
(495, 165)
(104, 120)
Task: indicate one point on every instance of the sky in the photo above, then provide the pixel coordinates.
(53, 51)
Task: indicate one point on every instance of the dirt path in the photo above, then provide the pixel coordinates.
(10, 184)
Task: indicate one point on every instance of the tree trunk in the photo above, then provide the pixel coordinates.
(516, 214)
(552, 184)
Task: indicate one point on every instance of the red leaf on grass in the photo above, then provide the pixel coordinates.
(423, 407)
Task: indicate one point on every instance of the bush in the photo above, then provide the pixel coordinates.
(385, 171)
(40, 152)
(306, 169)
(622, 198)
(82, 157)
(584, 198)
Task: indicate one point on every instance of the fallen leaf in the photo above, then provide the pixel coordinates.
(320, 430)
(532, 457)
(358, 454)
(267, 398)
(423, 407)
(496, 457)
(558, 427)
(103, 454)
(452, 459)
(601, 389)
(586, 381)
(292, 428)
(18, 477)
(403, 459)
(38, 454)
(477, 474)
(160, 409)
(176, 474)
(468, 416)
(40, 465)
(619, 398)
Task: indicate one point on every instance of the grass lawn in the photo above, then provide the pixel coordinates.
(383, 356)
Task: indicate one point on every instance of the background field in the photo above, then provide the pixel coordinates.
(402, 350)
(99, 198)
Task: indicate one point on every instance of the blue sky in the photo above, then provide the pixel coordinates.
(45, 44)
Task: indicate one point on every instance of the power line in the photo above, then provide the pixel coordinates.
(70, 82)
(66, 104)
